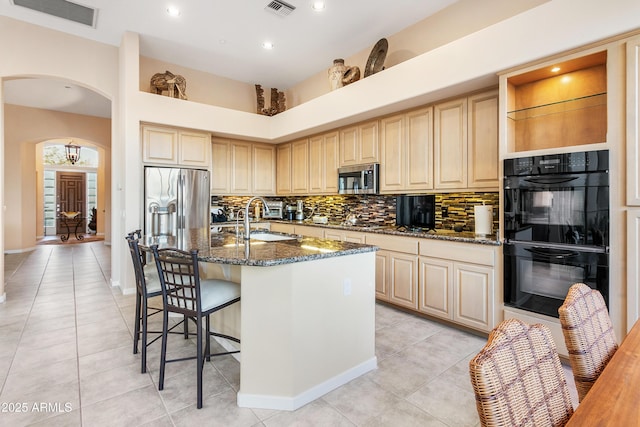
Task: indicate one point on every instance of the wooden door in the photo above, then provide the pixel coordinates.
(70, 193)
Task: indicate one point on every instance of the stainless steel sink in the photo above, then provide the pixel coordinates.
(270, 237)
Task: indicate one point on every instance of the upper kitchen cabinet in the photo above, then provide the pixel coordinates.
(359, 144)
(300, 166)
(242, 168)
(465, 143)
(482, 137)
(264, 169)
(175, 147)
(323, 163)
(293, 167)
(406, 150)
(559, 104)
(450, 144)
(283, 169)
(220, 160)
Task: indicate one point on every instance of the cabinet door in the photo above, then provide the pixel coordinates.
(450, 144)
(279, 227)
(264, 172)
(403, 278)
(483, 141)
(220, 161)
(310, 231)
(392, 154)
(159, 145)
(299, 166)
(633, 122)
(435, 287)
(283, 169)
(368, 143)
(473, 296)
(194, 148)
(349, 146)
(241, 168)
(316, 164)
(330, 147)
(382, 276)
(333, 235)
(419, 149)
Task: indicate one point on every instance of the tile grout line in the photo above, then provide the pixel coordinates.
(75, 319)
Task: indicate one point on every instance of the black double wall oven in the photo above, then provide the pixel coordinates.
(556, 228)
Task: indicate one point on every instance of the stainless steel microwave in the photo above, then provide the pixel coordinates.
(359, 179)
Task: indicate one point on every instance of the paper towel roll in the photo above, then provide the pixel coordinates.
(483, 219)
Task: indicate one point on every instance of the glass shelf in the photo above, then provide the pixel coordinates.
(560, 107)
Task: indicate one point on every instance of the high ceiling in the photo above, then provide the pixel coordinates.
(225, 37)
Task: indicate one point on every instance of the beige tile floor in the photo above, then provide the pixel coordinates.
(66, 360)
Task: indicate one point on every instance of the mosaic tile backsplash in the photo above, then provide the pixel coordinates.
(451, 208)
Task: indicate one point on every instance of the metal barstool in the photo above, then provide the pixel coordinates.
(147, 287)
(183, 292)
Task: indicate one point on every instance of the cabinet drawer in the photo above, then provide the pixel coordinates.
(465, 252)
(407, 245)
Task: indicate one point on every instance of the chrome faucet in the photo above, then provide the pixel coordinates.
(246, 214)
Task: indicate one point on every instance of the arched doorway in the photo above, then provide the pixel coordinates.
(69, 187)
(26, 126)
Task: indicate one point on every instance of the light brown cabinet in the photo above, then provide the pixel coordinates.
(359, 144)
(396, 269)
(406, 150)
(242, 168)
(264, 172)
(450, 144)
(175, 147)
(300, 166)
(466, 143)
(323, 163)
(220, 160)
(457, 284)
(283, 169)
(482, 148)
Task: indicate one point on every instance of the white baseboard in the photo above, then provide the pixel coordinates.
(3, 297)
(294, 402)
(19, 251)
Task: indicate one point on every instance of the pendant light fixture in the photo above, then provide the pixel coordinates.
(73, 153)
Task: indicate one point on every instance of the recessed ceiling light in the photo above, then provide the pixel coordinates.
(173, 11)
(318, 5)
(267, 45)
(555, 69)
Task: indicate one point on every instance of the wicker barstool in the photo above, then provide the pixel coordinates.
(588, 334)
(518, 379)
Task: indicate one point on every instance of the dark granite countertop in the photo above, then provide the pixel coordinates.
(223, 248)
(438, 234)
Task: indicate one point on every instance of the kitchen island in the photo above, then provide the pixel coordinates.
(307, 316)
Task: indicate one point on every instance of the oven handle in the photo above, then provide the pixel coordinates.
(540, 251)
(558, 246)
(551, 180)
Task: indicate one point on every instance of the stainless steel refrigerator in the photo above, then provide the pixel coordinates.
(176, 200)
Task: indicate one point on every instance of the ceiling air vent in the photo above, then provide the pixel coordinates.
(62, 9)
(280, 8)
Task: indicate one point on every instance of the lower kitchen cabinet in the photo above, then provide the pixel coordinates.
(396, 269)
(344, 236)
(457, 283)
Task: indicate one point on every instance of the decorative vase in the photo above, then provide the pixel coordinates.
(336, 72)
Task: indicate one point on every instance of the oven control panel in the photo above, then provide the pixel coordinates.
(585, 161)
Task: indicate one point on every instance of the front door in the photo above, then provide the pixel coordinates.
(70, 194)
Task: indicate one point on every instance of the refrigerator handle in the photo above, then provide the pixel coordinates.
(180, 210)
